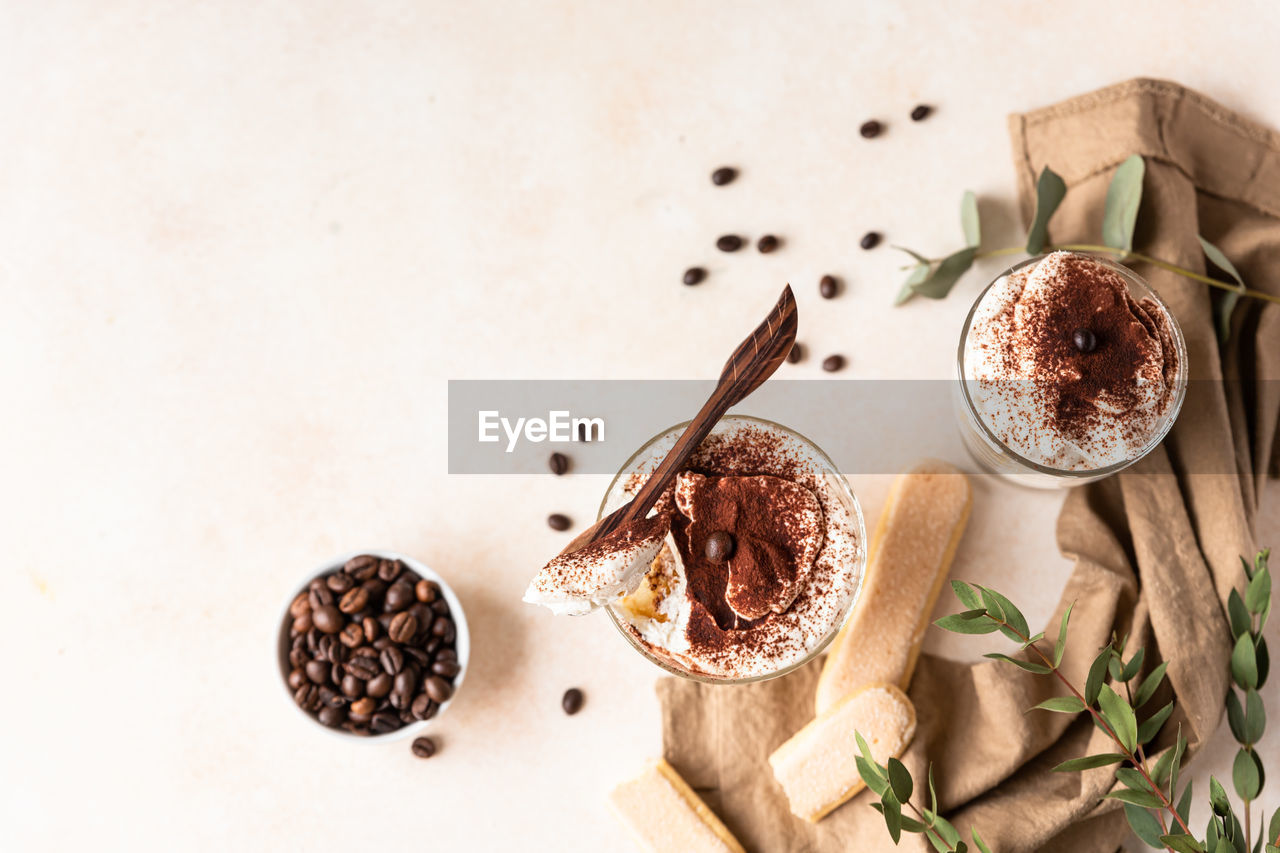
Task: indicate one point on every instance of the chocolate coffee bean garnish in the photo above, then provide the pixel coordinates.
(558, 463)
(768, 243)
(1085, 340)
(424, 747)
(729, 243)
(723, 175)
(572, 701)
(796, 353)
(558, 521)
(720, 546)
(870, 129)
(921, 112)
(870, 240)
(832, 363)
(694, 275)
(828, 286)
(371, 647)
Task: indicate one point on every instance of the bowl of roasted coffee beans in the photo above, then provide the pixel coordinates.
(374, 644)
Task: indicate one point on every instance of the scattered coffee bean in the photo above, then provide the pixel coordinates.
(327, 619)
(729, 243)
(572, 701)
(1085, 340)
(832, 363)
(828, 286)
(870, 240)
(558, 463)
(424, 747)
(921, 112)
(438, 689)
(694, 275)
(870, 129)
(796, 353)
(768, 243)
(723, 175)
(558, 521)
(720, 546)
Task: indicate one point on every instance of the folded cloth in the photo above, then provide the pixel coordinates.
(1155, 551)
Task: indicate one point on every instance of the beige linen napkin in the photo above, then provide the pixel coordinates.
(1155, 551)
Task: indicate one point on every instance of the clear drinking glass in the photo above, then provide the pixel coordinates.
(646, 459)
(996, 457)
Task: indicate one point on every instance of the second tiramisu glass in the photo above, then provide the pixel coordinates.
(795, 565)
(1070, 369)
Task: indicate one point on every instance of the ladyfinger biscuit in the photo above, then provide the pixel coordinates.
(916, 537)
(817, 767)
(664, 814)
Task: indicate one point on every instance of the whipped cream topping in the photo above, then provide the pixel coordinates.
(802, 532)
(577, 583)
(1045, 398)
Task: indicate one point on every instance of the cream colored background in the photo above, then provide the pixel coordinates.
(243, 245)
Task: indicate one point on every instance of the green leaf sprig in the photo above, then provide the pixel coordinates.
(933, 278)
(1118, 697)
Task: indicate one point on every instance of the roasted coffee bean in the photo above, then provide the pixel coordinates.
(336, 672)
(325, 644)
(768, 243)
(832, 363)
(364, 668)
(302, 624)
(352, 687)
(362, 568)
(352, 635)
(385, 723)
(416, 655)
(363, 707)
(338, 652)
(421, 707)
(434, 643)
(424, 615)
(446, 668)
(694, 275)
(870, 129)
(399, 596)
(426, 591)
(378, 686)
(376, 588)
(402, 628)
(315, 584)
(921, 112)
(406, 681)
(297, 678)
(318, 671)
(392, 660)
(382, 643)
(399, 700)
(447, 654)
(572, 701)
(333, 716)
(438, 689)
(406, 716)
(723, 175)
(796, 354)
(328, 619)
(424, 747)
(384, 619)
(313, 639)
(307, 697)
(870, 240)
(729, 243)
(389, 570)
(339, 582)
(828, 286)
(371, 628)
(354, 600)
(301, 604)
(720, 546)
(320, 596)
(441, 627)
(298, 658)
(558, 521)
(440, 606)
(558, 463)
(408, 576)
(331, 698)
(1084, 340)
(366, 652)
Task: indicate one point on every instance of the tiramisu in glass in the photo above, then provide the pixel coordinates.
(1071, 368)
(747, 567)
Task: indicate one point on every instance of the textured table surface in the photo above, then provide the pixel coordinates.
(244, 245)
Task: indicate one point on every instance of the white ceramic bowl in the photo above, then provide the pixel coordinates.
(462, 643)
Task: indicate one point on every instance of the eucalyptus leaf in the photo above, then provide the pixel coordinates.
(1258, 592)
(1244, 662)
(1184, 803)
(900, 780)
(1226, 304)
(1119, 716)
(1236, 718)
(946, 275)
(1131, 778)
(918, 275)
(946, 830)
(967, 623)
(1238, 614)
(967, 595)
(977, 839)
(1134, 666)
(1255, 717)
(1012, 614)
(1151, 726)
(1097, 673)
(1273, 828)
(969, 221)
(1218, 797)
(1124, 197)
(1089, 762)
(913, 253)
(1061, 645)
(1028, 666)
(1163, 767)
(1182, 843)
(1139, 798)
(892, 816)
(1150, 685)
(871, 775)
(1050, 190)
(1061, 704)
(1144, 825)
(1264, 661)
(1219, 259)
(1244, 774)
